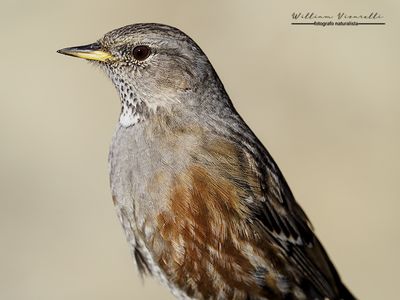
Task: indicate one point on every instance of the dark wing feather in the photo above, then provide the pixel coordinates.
(141, 262)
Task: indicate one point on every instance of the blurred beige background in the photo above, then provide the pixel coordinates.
(325, 101)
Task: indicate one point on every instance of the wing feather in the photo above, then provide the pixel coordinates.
(272, 204)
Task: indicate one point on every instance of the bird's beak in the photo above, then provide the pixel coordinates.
(91, 52)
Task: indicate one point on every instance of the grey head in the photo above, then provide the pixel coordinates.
(154, 67)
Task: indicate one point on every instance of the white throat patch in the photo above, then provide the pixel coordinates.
(130, 115)
(127, 118)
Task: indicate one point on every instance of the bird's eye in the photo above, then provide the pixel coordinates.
(141, 52)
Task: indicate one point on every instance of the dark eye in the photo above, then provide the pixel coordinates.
(141, 52)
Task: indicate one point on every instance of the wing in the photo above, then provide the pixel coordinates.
(268, 205)
(232, 229)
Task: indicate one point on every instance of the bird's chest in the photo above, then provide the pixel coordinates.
(142, 170)
(138, 179)
(143, 166)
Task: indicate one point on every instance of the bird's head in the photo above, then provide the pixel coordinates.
(152, 66)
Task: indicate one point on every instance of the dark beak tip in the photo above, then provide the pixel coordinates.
(63, 51)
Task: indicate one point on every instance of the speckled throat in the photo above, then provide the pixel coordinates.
(133, 108)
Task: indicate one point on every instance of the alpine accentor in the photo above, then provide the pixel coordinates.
(204, 206)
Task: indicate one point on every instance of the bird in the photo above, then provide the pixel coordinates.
(204, 207)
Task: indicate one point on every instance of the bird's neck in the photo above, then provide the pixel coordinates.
(133, 109)
(139, 105)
